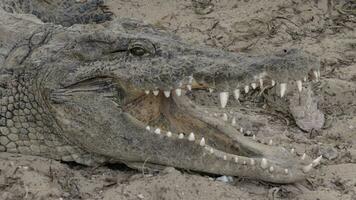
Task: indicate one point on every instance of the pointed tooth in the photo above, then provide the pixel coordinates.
(211, 150)
(191, 137)
(261, 83)
(270, 142)
(148, 128)
(233, 122)
(169, 134)
(254, 137)
(167, 93)
(155, 92)
(305, 79)
(236, 159)
(316, 74)
(211, 90)
(283, 89)
(224, 157)
(252, 161)
(286, 171)
(319, 74)
(273, 83)
(299, 85)
(237, 94)
(158, 131)
(178, 92)
(224, 97)
(202, 142)
(253, 85)
(292, 151)
(189, 87)
(316, 162)
(241, 130)
(271, 169)
(180, 136)
(147, 91)
(247, 88)
(244, 162)
(307, 168)
(264, 163)
(224, 117)
(303, 156)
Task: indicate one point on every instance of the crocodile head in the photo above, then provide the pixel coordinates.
(122, 90)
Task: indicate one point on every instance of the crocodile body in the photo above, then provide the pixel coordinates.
(83, 88)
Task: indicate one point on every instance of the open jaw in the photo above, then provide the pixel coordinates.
(203, 140)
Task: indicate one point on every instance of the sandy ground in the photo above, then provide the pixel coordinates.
(323, 27)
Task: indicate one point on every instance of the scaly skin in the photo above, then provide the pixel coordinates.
(79, 94)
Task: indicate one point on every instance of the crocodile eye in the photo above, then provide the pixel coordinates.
(141, 48)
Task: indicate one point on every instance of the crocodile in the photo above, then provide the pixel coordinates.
(91, 88)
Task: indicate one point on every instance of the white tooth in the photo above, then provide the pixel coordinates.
(178, 92)
(211, 90)
(264, 163)
(299, 85)
(271, 169)
(241, 130)
(167, 93)
(283, 89)
(148, 128)
(147, 91)
(225, 157)
(189, 87)
(237, 94)
(305, 79)
(253, 85)
(158, 131)
(247, 88)
(273, 82)
(292, 150)
(224, 97)
(286, 171)
(233, 121)
(169, 134)
(155, 92)
(303, 156)
(225, 117)
(307, 168)
(181, 136)
(270, 142)
(236, 159)
(316, 162)
(252, 161)
(244, 163)
(261, 83)
(316, 74)
(191, 137)
(202, 142)
(254, 137)
(211, 150)
(319, 75)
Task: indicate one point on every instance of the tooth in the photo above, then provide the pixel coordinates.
(158, 131)
(148, 128)
(244, 163)
(264, 163)
(147, 91)
(283, 89)
(273, 82)
(224, 97)
(271, 169)
(169, 134)
(261, 83)
(237, 94)
(236, 159)
(316, 74)
(233, 121)
(191, 137)
(292, 150)
(319, 75)
(178, 92)
(211, 90)
(155, 92)
(211, 150)
(286, 171)
(254, 137)
(225, 117)
(316, 162)
(167, 93)
(189, 87)
(252, 161)
(307, 168)
(253, 85)
(181, 136)
(202, 142)
(303, 156)
(270, 142)
(247, 88)
(241, 130)
(225, 157)
(299, 85)
(305, 79)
